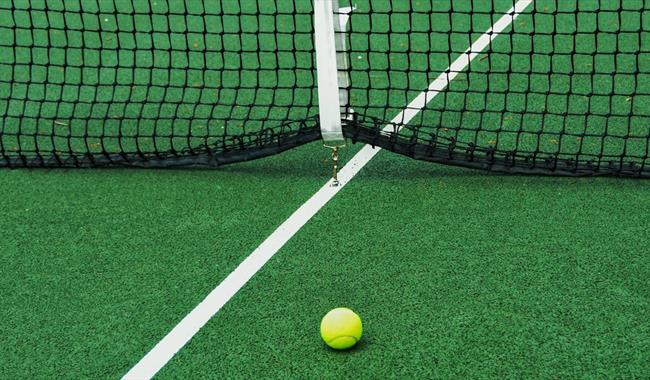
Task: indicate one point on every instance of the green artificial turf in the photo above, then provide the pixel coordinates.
(456, 275)
(98, 265)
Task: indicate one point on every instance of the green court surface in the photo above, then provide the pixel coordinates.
(456, 273)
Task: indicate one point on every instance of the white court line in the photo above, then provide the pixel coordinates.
(153, 361)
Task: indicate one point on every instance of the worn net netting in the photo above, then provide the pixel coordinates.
(564, 89)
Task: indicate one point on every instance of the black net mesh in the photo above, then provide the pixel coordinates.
(564, 89)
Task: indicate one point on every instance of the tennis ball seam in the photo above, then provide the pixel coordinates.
(343, 336)
(343, 342)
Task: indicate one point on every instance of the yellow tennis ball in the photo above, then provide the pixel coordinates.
(341, 328)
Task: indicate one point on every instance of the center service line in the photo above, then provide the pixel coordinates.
(183, 332)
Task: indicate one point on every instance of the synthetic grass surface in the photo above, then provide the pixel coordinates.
(98, 265)
(455, 275)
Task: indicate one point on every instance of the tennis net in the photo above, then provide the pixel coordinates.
(564, 90)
